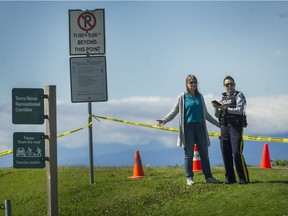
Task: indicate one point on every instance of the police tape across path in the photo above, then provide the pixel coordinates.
(6, 152)
(211, 134)
(75, 130)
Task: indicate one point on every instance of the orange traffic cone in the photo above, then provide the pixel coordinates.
(138, 169)
(197, 166)
(265, 163)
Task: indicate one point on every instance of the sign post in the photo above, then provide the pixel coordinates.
(90, 143)
(88, 74)
(52, 167)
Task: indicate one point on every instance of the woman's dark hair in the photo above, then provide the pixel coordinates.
(194, 78)
(229, 78)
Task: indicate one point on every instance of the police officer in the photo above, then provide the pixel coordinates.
(230, 114)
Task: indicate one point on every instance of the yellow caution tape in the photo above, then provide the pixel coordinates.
(6, 152)
(212, 134)
(137, 123)
(266, 139)
(58, 136)
(75, 130)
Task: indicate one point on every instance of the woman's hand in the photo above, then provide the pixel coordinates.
(160, 123)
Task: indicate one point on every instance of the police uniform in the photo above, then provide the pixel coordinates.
(232, 122)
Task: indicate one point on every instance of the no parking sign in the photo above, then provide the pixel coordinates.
(87, 32)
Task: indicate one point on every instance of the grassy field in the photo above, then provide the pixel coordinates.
(162, 191)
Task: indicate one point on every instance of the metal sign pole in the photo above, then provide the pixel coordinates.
(88, 74)
(51, 132)
(90, 143)
(8, 211)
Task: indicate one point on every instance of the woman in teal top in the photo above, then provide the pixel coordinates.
(190, 106)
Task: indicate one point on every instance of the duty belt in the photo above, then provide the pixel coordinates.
(225, 121)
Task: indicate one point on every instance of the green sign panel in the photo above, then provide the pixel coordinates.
(27, 106)
(28, 150)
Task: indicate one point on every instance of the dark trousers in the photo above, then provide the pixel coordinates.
(232, 147)
(195, 134)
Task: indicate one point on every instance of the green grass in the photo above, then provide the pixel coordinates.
(163, 191)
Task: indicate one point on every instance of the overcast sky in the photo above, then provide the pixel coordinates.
(150, 49)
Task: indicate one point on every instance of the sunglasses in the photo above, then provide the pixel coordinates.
(229, 84)
(192, 82)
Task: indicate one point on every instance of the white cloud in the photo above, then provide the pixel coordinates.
(266, 116)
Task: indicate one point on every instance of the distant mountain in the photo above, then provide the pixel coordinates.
(122, 155)
(155, 154)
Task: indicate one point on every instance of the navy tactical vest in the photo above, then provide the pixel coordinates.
(230, 101)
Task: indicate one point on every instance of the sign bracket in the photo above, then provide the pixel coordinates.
(44, 96)
(44, 117)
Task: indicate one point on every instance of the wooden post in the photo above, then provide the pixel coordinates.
(51, 147)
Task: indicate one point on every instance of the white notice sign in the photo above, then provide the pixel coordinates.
(88, 79)
(87, 32)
